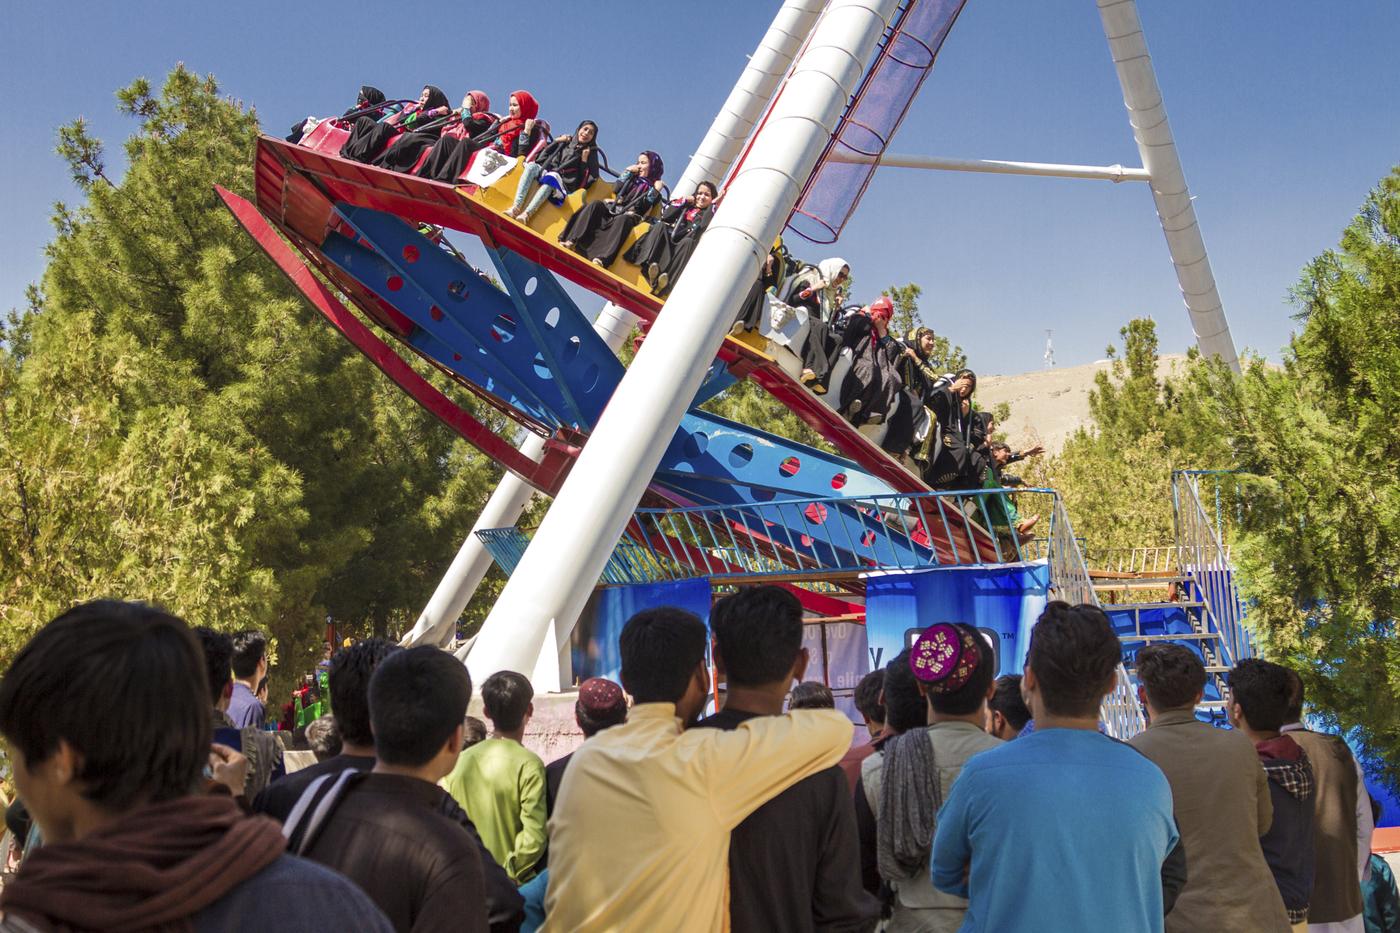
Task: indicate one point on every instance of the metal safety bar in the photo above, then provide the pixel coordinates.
(1205, 565)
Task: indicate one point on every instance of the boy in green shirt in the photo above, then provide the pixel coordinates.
(501, 783)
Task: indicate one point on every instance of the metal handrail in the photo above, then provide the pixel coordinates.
(1207, 569)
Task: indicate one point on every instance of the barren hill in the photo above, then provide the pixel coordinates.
(1048, 405)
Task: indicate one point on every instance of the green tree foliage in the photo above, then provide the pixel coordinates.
(1317, 445)
(177, 425)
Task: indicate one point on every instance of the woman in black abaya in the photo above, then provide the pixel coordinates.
(368, 136)
(598, 229)
(665, 248)
(369, 104)
(561, 168)
(421, 129)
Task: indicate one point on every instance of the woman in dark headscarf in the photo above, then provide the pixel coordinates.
(559, 169)
(599, 228)
(518, 133)
(462, 136)
(665, 249)
(369, 104)
(368, 137)
(819, 289)
(871, 392)
(421, 130)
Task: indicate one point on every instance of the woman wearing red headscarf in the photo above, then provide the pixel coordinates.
(518, 133)
(872, 390)
(473, 121)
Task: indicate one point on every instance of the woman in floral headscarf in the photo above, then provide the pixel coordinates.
(600, 227)
(454, 148)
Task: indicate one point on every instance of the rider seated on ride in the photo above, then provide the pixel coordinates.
(871, 391)
(370, 104)
(819, 289)
(775, 268)
(916, 367)
(950, 459)
(421, 130)
(665, 248)
(599, 228)
(460, 136)
(368, 137)
(556, 171)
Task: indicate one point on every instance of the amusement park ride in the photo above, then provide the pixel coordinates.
(647, 485)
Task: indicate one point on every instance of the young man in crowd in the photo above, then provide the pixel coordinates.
(600, 704)
(872, 710)
(906, 710)
(1379, 895)
(263, 751)
(907, 783)
(1007, 713)
(350, 672)
(106, 712)
(640, 834)
(1259, 692)
(812, 694)
(501, 783)
(323, 738)
(1342, 823)
(385, 830)
(794, 864)
(1220, 796)
(1065, 825)
(249, 668)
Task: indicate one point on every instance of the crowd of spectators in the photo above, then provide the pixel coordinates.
(978, 802)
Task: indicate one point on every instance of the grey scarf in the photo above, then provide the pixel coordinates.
(910, 796)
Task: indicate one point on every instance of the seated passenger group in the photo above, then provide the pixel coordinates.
(877, 377)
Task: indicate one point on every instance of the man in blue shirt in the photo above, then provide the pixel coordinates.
(249, 666)
(1064, 829)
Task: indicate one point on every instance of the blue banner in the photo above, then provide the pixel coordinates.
(595, 651)
(1003, 601)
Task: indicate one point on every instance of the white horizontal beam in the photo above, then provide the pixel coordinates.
(1113, 173)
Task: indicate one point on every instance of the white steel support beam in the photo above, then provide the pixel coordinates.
(1143, 98)
(1113, 173)
(712, 160)
(560, 567)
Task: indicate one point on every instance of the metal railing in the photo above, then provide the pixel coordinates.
(1205, 563)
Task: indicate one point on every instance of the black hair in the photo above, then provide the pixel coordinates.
(714, 190)
(660, 650)
(350, 673)
(249, 648)
(1074, 653)
(868, 696)
(1009, 702)
(970, 696)
(1296, 696)
(506, 697)
(18, 822)
(758, 631)
(593, 723)
(969, 374)
(1263, 690)
(1171, 674)
(417, 699)
(473, 731)
(998, 445)
(811, 694)
(123, 684)
(1376, 810)
(905, 707)
(218, 660)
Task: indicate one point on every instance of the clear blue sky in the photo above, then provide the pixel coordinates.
(1285, 113)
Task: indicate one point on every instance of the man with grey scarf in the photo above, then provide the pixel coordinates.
(904, 786)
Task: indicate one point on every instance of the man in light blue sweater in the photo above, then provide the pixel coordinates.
(1065, 829)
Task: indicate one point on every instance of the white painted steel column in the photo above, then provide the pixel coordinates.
(1143, 98)
(743, 109)
(712, 160)
(1113, 173)
(568, 553)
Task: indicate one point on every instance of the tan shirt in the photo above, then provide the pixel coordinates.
(639, 839)
(1220, 795)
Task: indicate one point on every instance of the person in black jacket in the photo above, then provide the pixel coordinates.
(562, 167)
(950, 457)
(794, 863)
(370, 104)
(599, 228)
(369, 137)
(465, 132)
(666, 247)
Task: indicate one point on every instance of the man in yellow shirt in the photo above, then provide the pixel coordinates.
(639, 839)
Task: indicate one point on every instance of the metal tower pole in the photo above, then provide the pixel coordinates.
(557, 572)
(1143, 98)
(711, 161)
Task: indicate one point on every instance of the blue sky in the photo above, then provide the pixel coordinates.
(1285, 113)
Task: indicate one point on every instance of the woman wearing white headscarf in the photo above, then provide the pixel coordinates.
(819, 289)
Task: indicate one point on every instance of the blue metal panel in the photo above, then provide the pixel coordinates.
(586, 370)
(441, 294)
(457, 352)
(716, 381)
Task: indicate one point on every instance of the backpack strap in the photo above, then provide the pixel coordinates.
(312, 808)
